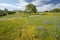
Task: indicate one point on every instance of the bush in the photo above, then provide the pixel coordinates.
(2, 13)
(56, 10)
(43, 14)
(11, 12)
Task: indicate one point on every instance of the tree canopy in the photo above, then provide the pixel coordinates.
(31, 8)
(56, 10)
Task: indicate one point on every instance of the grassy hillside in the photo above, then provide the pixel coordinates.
(42, 27)
(15, 15)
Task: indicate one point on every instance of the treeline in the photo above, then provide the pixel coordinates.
(6, 12)
(54, 10)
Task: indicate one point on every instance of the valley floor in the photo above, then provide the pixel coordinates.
(34, 27)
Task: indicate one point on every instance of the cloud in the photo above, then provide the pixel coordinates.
(45, 7)
(18, 6)
(22, 4)
(57, 5)
(8, 6)
(40, 5)
(39, 2)
(11, 7)
(48, 7)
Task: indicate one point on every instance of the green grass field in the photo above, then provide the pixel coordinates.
(16, 15)
(42, 27)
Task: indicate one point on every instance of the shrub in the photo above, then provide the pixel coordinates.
(11, 12)
(2, 13)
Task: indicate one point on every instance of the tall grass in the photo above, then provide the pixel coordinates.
(43, 27)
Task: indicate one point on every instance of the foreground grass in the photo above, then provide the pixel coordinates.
(43, 27)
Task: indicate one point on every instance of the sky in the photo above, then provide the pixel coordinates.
(41, 5)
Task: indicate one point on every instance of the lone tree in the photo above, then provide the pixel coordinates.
(3, 12)
(31, 8)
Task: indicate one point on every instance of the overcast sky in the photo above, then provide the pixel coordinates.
(41, 5)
